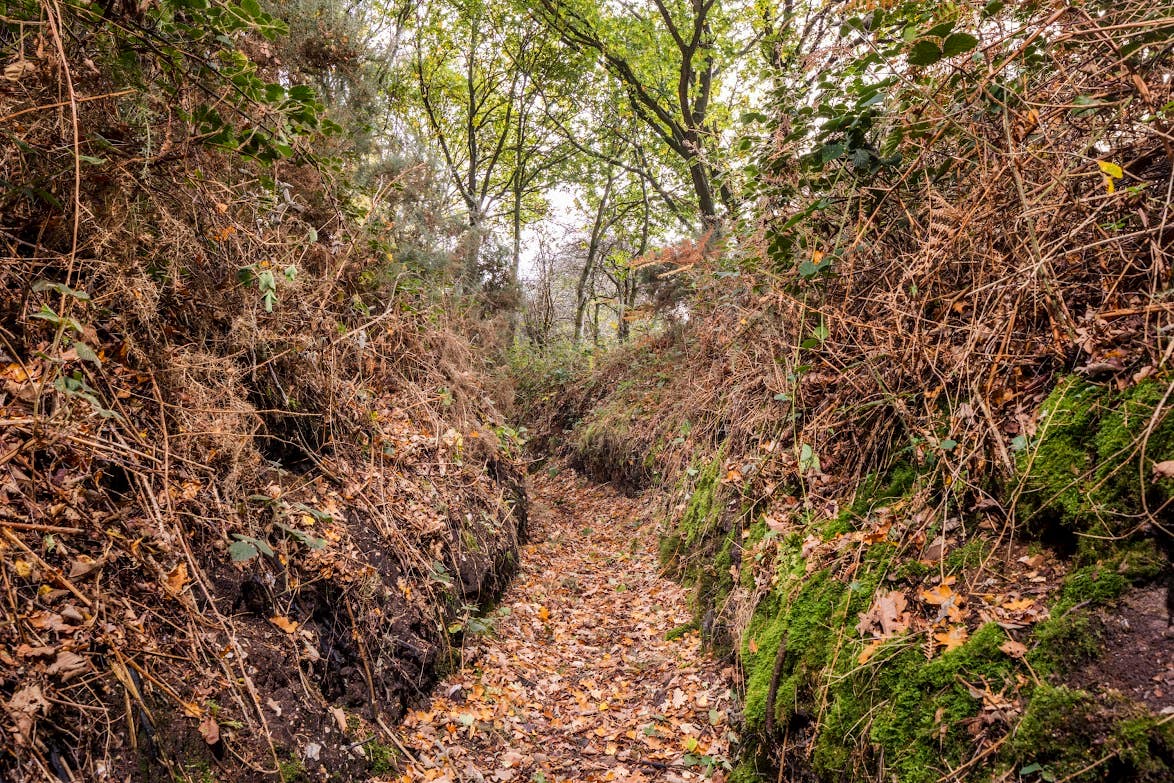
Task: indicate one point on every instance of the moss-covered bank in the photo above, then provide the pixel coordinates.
(973, 680)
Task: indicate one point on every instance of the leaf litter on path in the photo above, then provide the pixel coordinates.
(578, 678)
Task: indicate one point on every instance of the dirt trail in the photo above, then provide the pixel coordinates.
(578, 680)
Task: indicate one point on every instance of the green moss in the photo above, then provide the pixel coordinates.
(1093, 584)
(969, 555)
(911, 571)
(812, 615)
(1084, 472)
(702, 510)
(1063, 642)
(841, 525)
(1056, 730)
(1139, 561)
(195, 772)
(669, 548)
(1064, 730)
(681, 631)
(382, 758)
(911, 711)
(1145, 746)
(699, 518)
(291, 770)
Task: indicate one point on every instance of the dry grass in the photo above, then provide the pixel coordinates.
(353, 415)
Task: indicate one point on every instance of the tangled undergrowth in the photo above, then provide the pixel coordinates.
(914, 444)
(251, 479)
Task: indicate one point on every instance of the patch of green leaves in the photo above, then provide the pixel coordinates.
(245, 548)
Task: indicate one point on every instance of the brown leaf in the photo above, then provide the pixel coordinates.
(177, 578)
(938, 594)
(878, 533)
(23, 708)
(49, 621)
(68, 665)
(1013, 648)
(870, 650)
(774, 524)
(209, 729)
(284, 623)
(84, 566)
(339, 718)
(887, 615)
(1164, 469)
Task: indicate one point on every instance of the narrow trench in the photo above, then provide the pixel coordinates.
(588, 669)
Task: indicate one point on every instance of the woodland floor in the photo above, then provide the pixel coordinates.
(584, 674)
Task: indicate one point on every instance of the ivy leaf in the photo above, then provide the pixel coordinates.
(247, 547)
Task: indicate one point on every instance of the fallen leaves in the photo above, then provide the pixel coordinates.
(887, 616)
(209, 729)
(67, 665)
(1013, 648)
(942, 595)
(284, 623)
(952, 638)
(870, 650)
(592, 691)
(23, 709)
(1018, 604)
(83, 566)
(176, 579)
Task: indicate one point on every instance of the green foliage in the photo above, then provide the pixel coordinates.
(199, 45)
(540, 375)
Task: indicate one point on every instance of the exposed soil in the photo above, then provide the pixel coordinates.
(587, 671)
(1138, 657)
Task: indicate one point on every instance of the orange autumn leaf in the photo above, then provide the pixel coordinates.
(953, 638)
(938, 594)
(284, 623)
(869, 650)
(177, 578)
(1019, 604)
(878, 534)
(543, 613)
